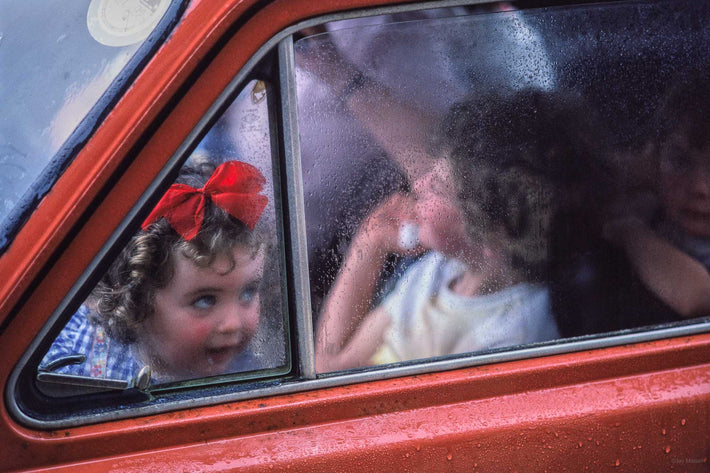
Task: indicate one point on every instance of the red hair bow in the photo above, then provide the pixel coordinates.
(234, 187)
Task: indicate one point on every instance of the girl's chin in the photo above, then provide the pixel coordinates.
(700, 231)
(698, 227)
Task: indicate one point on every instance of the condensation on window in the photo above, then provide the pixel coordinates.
(197, 293)
(480, 178)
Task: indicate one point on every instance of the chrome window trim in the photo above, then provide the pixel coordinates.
(329, 380)
(296, 211)
(378, 374)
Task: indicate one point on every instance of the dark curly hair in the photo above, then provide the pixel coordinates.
(124, 297)
(513, 157)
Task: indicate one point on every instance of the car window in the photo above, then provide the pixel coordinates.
(196, 294)
(482, 178)
(58, 59)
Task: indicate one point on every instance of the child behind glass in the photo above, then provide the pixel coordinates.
(183, 296)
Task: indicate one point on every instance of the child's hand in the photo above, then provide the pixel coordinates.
(381, 229)
(676, 278)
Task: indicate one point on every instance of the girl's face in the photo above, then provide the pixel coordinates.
(439, 215)
(205, 316)
(685, 187)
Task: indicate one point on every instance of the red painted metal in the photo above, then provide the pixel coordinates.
(629, 404)
(642, 407)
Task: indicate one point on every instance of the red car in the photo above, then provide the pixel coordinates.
(559, 140)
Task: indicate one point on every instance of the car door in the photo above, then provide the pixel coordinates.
(254, 81)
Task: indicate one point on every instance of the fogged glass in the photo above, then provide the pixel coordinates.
(485, 177)
(197, 292)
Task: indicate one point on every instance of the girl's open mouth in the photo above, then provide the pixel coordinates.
(221, 355)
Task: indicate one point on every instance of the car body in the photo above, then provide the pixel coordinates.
(634, 402)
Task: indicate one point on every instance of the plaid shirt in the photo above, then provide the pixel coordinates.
(105, 358)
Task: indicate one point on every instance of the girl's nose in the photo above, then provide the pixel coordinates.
(230, 321)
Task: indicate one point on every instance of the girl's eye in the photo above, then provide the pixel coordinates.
(249, 293)
(204, 302)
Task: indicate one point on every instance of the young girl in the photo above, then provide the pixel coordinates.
(484, 213)
(183, 296)
(671, 253)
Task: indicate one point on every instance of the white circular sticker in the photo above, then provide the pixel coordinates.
(124, 22)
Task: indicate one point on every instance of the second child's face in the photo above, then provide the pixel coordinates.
(205, 317)
(439, 215)
(685, 187)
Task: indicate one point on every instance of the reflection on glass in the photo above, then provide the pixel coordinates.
(57, 59)
(196, 293)
(488, 178)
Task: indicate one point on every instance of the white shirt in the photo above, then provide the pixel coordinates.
(428, 319)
